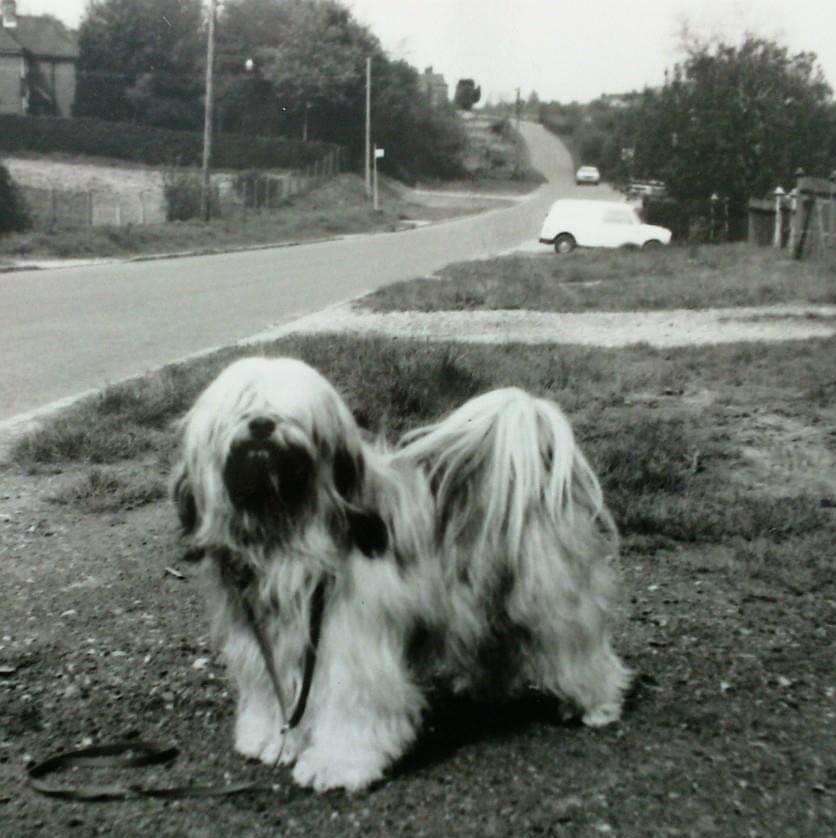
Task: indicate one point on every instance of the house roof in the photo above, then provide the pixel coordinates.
(39, 35)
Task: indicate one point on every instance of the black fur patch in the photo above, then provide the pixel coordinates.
(368, 532)
(185, 502)
(348, 473)
(267, 479)
(498, 653)
(424, 649)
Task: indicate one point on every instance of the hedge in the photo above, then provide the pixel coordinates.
(152, 146)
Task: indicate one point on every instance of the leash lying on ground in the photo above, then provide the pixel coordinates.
(122, 755)
(142, 754)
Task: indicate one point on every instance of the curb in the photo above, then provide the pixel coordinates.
(47, 264)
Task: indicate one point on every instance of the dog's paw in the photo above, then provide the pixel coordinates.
(321, 770)
(603, 714)
(258, 737)
(255, 745)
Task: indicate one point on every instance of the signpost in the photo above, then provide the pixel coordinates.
(378, 155)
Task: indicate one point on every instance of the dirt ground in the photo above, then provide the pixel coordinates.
(730, 731)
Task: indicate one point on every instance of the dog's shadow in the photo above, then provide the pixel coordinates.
(454, 723)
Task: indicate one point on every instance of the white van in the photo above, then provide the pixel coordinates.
(571, 224)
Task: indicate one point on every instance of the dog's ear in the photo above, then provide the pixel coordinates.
(366, 528)
(184, 500)
(348, 472)
(368, 532)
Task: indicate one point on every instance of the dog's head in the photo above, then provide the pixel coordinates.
(270, 450)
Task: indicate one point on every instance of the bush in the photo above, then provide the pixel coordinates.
(694, 221)
(13, 215)
(182, 196)
(152, 146)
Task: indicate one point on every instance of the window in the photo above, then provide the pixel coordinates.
(619, 216)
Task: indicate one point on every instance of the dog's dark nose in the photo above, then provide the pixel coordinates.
(261, 427)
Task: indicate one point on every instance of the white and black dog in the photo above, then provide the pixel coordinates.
(349, 581)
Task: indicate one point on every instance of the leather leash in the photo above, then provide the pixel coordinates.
(141, 754)
(133, 755)
(316, 612)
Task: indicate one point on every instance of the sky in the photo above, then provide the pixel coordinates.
(565, 50)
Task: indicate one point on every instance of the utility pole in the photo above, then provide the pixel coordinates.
(518, 152)
(368, 125)
(205, 210)
(518, 108)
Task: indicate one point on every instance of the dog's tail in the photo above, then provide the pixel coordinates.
(502, 458)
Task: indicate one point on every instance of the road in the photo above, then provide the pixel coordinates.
(69, 331)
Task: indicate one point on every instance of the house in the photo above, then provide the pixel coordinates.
(38, 57)
(434, 87)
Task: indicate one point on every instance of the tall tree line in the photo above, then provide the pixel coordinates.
(284, 68)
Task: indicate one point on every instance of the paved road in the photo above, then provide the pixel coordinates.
(68, 331)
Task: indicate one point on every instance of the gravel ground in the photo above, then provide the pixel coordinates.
(658, 328)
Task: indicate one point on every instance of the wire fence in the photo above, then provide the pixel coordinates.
(270, 190)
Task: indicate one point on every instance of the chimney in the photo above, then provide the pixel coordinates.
(9, 14)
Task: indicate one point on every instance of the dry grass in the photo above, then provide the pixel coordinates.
(621, 280)
(339, 207)
(665, 473)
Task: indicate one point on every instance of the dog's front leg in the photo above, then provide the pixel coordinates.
(364, 708)
(258, 718)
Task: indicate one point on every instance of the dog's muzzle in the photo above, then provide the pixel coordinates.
(266, 476)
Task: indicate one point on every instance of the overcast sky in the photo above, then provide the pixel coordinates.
(564, 49)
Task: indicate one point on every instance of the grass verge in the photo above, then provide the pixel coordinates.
(339, 207)
(620, 280)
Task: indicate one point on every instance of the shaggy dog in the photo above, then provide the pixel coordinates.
(348, 582)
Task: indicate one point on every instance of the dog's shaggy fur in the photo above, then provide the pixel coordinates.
(475, 558)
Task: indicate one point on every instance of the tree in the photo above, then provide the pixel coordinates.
(420, 139)
(283, 67)
(467, 94)
(309, 61)
(142, 60)
(736, 121)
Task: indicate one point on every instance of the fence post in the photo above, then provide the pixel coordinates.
(793, 220)
(806, 205)
(778, 229)
(51, 205)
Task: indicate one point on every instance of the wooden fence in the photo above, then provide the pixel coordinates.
(803, 222)
(64, 208)
(52, 208)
